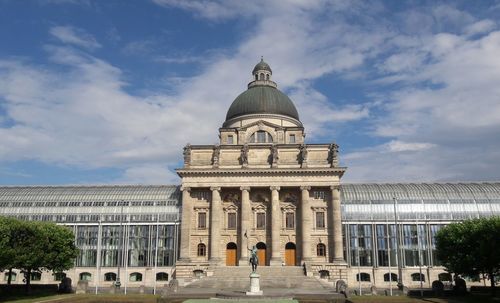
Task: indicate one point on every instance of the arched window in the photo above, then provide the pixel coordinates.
(394, 277)
(364, 277)
(261, 137)
(58, 276)
(202, 250)
(13, 276)
(256, 77)
(444, 276)
(85, 276)
(135, 277)
(321, 250)
(267, 77)
(36, 276)
(418, 277)
(110, 276)
(162, 276)
(261, 76)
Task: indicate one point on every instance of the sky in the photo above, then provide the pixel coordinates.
(108, 92)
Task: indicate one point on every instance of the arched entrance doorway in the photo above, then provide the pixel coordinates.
(231, 249)
(261, 253)
(290, 254)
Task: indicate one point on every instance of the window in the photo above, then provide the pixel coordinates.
(320, 220)
(394, 277)
(267, 77)
(162, 276)
(418, 277)
(58, 276)
(110, 276)
(290, 220)
(292, 139)
(231, 221)
(85, 276)
(202, 220)
(364, 277)
(36, 276)
(261, 221)
(261, 137)
(202, 195)
(135, 277)
(261, 76)
(361, 244)
(319, 194)
(13, 276)
(202, 250)
(444, 277)
(321, 250)
(324, 274)
(386, 244)
(230, 139)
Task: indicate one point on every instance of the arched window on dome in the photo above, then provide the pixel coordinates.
(256, 77)
(267, 77)
(262, 76)
(261, 137)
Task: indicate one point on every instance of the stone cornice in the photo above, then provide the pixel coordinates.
(268, 171)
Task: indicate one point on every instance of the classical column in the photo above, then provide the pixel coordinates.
(275, 226)
(215, 219)
(244, 224)
(338, 250)
(306, 223)
(187, 209)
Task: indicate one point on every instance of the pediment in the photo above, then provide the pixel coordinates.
(260, 124)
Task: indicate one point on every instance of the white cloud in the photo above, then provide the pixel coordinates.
(75, 36)
(482, 26)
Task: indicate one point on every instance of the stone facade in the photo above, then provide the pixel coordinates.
(261, 186)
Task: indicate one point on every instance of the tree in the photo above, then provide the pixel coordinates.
(471, 247)
(8, 226)
(35, 246)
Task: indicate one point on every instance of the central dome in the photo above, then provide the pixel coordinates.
(262, 100)
(262, 97)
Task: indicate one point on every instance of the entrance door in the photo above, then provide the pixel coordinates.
(261, 253)
(290, 254)
(231, 249)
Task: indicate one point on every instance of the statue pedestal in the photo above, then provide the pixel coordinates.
(254, 285)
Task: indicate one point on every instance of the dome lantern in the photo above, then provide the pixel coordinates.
(262, 75)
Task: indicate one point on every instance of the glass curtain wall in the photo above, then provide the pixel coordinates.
(386, 244)
(141, 245)
(361, 244)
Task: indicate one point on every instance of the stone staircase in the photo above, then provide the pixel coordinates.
(237, 277)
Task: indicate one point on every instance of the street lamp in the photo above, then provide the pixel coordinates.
(120, 250)
(400, 271)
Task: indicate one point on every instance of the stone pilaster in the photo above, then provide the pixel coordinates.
(338, 250)
(306, 223)
(246, 212)
(187, 209)
(275, 226)
(215, 221)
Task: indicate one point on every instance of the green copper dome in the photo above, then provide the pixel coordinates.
(262, 66)
(262, 99)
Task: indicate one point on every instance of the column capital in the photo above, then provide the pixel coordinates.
(275, 188)
(247, 188)
(185, 188)
(335, 187)
(215, 188)
(305, 188)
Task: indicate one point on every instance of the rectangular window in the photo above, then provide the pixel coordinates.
(231, 221)
(290, 220)
(319, 194)
(261, 221)
(261, 137)
(202, 220)
(292, 138)
(230, 139)
(320, 220)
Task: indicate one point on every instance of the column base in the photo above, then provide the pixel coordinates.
(339, 261)
(275, 262)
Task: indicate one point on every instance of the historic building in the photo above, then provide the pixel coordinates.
(262, 186)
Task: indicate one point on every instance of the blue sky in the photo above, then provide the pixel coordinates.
(98, 92)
